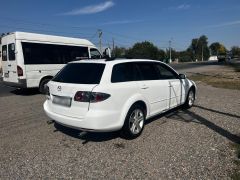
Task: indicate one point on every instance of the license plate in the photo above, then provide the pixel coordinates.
(63, 101)
(6, 75)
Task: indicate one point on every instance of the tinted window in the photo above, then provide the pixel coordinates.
(165, 72)
(80, 73)
(35, 53)
(148, 71)
(4, 52)
(95, 54)
(124, 72)
(11, 52)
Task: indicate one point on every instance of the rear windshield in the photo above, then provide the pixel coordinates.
(4, 52)
(80, 73)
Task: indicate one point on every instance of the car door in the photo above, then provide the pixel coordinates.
(175, 85)
(154, 89)
(9, 59)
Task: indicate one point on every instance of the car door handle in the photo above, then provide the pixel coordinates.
(144, 87)
(9, 65)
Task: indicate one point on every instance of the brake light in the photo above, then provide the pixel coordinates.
(19, 71)
(93, 97)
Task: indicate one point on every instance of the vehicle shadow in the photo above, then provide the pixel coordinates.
(178, 114)
(87, 136)
(191, 117)
(25, 92)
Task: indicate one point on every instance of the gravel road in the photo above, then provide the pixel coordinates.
(191, 144)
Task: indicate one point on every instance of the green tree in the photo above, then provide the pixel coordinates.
(145, 50)
(217, 48)
(235, 51)
(119, 52)
(199, 48)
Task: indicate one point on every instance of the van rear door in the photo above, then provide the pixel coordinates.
(9, 62)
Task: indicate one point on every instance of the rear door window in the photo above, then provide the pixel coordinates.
(148, 71)
(4, 52)
(125, 72)
(80, 73)
(11, 52)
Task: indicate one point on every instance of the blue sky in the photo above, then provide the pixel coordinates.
(127, 21)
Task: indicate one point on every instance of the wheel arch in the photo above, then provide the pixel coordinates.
(43, 78)
(138, 99)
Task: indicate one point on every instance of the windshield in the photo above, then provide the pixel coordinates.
(80, 73)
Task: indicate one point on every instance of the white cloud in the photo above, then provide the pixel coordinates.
(92, 9)
(224, 24)
(181, 7)
(121, 22)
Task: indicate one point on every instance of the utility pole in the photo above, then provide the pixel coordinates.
(113, 47)
(170, 52)
(202, 52)
(100, 39)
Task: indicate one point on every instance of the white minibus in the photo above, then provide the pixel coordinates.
(30, 60)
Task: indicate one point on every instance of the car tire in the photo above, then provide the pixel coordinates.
(42, 85)
(190, 99)
(134, 122)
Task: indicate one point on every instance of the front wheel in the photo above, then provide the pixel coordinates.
(134, 122)
(190, 99)
(42, 86)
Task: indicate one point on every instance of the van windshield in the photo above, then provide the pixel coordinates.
(80, 73)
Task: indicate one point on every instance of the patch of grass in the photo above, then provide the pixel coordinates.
(217, 81)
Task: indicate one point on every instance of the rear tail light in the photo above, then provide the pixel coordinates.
(19, 71)
(93, 97)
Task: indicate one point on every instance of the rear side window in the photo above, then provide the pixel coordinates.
(148, 71)
(124, 72)
(11, 52)
(36, 53)
(80, 73)
(4, 52)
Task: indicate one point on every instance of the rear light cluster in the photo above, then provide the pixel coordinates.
(19, 71)
(93, 97)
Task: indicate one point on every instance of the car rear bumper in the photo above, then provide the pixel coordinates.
(22, 83)
(96, 121)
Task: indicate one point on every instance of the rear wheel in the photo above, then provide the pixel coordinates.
(42, 85)
(190, 99)
(134, 122)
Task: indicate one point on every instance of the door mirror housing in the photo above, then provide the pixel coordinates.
(107, 53)
(182, 76)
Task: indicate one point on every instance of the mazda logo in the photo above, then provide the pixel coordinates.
(59, 88)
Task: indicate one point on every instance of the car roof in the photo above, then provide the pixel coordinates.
(112, 62)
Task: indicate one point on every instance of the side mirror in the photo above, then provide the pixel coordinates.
(107, 53)
(182, 76)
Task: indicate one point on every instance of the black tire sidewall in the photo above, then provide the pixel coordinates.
(127, 133)
(41, 86)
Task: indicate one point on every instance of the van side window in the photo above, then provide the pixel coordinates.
(165, 72)
(4, 52)
(36, 53)
(95, 54)
(125, 72)
(11, 52)
(148, 71)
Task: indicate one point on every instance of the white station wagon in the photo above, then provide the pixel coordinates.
(101, 95)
